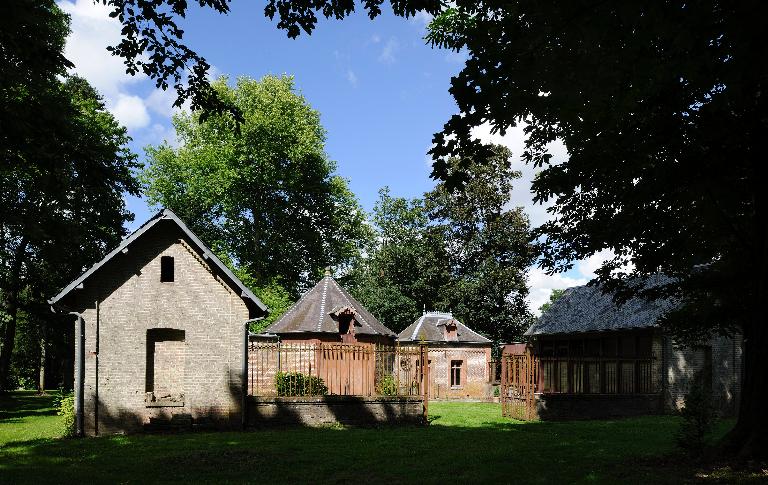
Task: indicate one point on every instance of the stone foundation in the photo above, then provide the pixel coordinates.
(596, 406)
(329, 410)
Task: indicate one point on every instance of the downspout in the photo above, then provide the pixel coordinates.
(80, 374)
(244, 403)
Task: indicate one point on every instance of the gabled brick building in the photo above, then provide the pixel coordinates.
(161, 333)
(459, 357)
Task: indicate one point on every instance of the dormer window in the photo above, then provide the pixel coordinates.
(166, 269)
(450, 332)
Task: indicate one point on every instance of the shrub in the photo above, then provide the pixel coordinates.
(298, 384)
(67, 412)
(698, 415)
(496, 391)
(387, 386)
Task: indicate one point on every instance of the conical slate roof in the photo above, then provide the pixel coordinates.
(315, 310)
(428, 327)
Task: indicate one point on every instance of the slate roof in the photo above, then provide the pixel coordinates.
(168, 215)
(587, 309)
(312, 313)
(430, 327)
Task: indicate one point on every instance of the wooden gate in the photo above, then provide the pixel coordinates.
(519, 375)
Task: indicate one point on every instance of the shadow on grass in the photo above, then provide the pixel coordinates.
(18, 405)
(485, 451)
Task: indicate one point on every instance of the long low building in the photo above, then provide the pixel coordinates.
(597, 359)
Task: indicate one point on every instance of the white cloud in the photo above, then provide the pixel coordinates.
(421, 19)
(521, 196)
(161, 102)
(92, 32)
(387, 55)
(541, 284)
(158, 134)
(352, 78)
(130, 111)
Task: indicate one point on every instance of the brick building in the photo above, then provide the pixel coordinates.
(458, 356)
(598, 359)
(161, 333)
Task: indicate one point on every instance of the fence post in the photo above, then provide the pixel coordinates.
(424, 357)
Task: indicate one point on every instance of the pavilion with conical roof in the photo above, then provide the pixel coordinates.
(328, 313)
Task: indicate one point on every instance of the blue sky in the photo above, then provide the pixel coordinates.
(381, 92)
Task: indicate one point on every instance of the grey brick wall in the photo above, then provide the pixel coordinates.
(124, 300)
(682, 364)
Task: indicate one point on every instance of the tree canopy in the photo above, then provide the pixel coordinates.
(662, 109)
(64, 173)
(265, 195)
(464, 251)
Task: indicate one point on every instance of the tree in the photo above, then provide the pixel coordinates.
(460, 250)
(265, 194)
(406, 271)
(553, 297)
(63, 205)
(488, 246)
(662, 108)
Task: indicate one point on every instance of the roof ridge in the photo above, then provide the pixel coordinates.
(168, 214)
(322, 303)
(418, 327)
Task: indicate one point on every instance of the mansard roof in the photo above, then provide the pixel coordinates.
(429, 328)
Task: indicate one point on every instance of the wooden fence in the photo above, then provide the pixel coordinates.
(303, 369)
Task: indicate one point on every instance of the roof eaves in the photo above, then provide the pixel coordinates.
(208, 255)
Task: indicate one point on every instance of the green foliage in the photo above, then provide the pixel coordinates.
(663, 113)
(463, 251)
(64, 174)
(265, 195)
(298, 384)
(67, 413)
(556, 293)
(698, 415)
(386, 385)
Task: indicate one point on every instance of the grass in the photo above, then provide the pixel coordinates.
(465, 443)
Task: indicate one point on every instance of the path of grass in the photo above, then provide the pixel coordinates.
(25, 415)
(465, 443)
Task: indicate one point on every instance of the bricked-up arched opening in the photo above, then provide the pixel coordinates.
(165, 367)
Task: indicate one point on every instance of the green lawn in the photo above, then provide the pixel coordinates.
(465, 443)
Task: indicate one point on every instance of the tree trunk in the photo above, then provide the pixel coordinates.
(748, 438)
(12, 307)
(41, 379)
(9, 338)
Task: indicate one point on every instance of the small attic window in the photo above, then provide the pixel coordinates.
(166, 269)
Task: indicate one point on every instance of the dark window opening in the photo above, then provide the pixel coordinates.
(456, 373)
(166, 269)
(344, 324)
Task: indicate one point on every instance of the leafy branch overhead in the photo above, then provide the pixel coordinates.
(152, 40)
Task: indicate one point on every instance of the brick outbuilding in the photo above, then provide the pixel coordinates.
(161, 333)
(459, 357)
